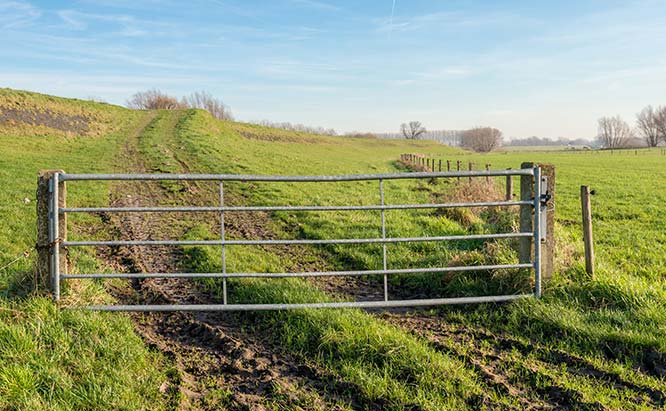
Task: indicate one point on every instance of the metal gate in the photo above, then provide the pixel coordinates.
(536, 203)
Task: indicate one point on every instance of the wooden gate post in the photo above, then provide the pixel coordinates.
(526, 249)
(44, 264)
(587, 229)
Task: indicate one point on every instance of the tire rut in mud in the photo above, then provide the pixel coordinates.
(489, 354)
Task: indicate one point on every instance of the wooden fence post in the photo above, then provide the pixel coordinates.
(448, 165)
(470, 169)
(43, 278)
(487, 169)
(440, 166)
(525, 250)
(509, 187)
(587, 229)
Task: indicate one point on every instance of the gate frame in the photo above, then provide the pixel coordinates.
(57, 235)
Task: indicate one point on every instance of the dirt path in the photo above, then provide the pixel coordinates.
(218, 364)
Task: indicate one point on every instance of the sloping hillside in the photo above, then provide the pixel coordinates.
(589, 344)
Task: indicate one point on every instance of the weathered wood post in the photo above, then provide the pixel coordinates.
(526, 248)
(440, 166)
(458, 162)
(586, 208)
(432, 165)
(448, 165)
(487, 169)
(509, 187)
(45, 239)
(470, 169)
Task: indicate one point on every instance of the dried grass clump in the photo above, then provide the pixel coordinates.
(478, 190)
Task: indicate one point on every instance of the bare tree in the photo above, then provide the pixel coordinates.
(205, 101)
(482, 139)
(660, 122)
(614, 132)
(153, 100)
(412, 130)
(647, 125)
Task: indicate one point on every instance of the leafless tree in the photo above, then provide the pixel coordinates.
(205, 101)
(647, 125)
(660, 122)
(614, 132)
(482, 139)
(412, 130)
(153, 100)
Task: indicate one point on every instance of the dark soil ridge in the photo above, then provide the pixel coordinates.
(218, 362)
(70, 123)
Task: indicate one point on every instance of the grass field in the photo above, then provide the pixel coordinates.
(588, 344)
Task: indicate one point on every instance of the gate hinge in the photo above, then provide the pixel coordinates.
(545, 198)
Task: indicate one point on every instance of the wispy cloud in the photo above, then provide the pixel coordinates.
(315, 4)
(17, 14)
(451, 19)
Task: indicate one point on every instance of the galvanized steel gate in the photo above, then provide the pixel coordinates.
(537, 203)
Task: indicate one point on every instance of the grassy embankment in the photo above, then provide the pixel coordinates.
(52, 359)
(614, 324)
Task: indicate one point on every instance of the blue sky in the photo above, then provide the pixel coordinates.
(527, 67)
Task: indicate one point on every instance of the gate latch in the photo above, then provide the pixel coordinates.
(544, 200)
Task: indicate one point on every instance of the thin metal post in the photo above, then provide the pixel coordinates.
(381, 199)
(537, 232)
(224, 251)
(56, 238)
(51, 237)
(509, 187)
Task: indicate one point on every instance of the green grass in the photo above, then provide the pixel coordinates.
(611, 328)
(52, 359)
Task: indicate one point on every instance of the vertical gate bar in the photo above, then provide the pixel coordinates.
(56, 237)
(51, 237)
(537, 232)
(381, 198)
(224, 251)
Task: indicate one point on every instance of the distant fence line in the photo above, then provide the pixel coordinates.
(622, 151)
(421, 162)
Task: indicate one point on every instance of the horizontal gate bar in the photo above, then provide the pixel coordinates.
(287, 242)
(300, 274)
(346, 304)
(288, 208)
(248, 177)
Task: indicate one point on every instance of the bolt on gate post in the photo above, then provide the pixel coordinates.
(51, 230)
(547, 224)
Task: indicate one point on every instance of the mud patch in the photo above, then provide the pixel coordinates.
(76, 124)
(519, 369)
